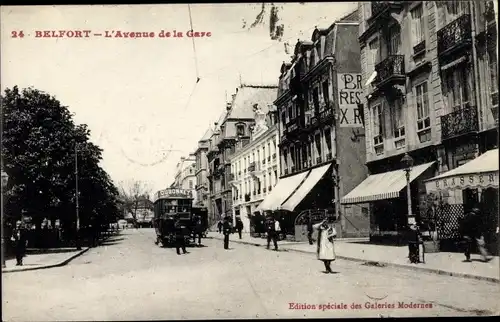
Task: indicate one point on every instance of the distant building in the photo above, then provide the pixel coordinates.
(255, 167)
(233, 130)
(201, 172)
(185, 175)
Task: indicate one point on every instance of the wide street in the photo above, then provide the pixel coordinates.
(132, 279)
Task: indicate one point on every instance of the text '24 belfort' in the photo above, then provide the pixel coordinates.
(110, 34)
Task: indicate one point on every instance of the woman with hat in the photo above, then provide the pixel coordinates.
(325, 248)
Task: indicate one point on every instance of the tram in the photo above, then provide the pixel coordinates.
(168, 204)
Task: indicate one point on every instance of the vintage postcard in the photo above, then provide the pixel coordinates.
(250, 160)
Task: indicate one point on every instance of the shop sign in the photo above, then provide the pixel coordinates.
(477, 180)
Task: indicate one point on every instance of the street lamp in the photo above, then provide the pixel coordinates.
(407, 161)
(5, 181)
(78, 247)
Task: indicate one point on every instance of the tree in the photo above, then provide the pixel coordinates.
(134, 197)
(38, 149)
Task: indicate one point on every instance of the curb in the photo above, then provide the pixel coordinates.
(415, 268)
(62, 263)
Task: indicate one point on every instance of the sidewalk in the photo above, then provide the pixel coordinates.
(444, 263)
(44, 260)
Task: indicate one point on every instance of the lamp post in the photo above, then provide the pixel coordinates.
(77, 239)
(407, 161)
(5, 181)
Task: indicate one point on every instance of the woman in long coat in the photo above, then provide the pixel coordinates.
(325, 247)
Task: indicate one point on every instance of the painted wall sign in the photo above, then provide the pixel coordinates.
(350, 92)
(477, 180)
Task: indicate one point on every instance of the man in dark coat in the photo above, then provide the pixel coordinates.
(239, 226)
(19, 240)
(198, 229)
(472, 232)
(227, 230)
(272, 234)
(220, 226)
(180, 242)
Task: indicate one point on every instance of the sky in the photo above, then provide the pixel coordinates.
(139, 96)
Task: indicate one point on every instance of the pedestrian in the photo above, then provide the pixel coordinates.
(239, 226)
(272, 229)
(325, 247)
(414, 239)
(220, 226)
(180, 242)
(19, 240)
(198, 230)
(309, 225)
(227, 230)
(472, 232)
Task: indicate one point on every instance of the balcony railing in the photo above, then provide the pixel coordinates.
(318, 160)
(293, 169)
(460, 122)
(454, 35)
(247, 197)
(329, 156)
(381, 7)
(391, 70)
(286, 171)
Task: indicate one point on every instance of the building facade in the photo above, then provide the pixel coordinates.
(321, 129)
(185, 175)
(431, 91)
(201, 173)
(255, 168)
(233, 130)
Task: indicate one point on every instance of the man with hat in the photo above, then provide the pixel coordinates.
(472, 232)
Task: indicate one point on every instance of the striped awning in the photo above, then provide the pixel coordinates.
(482, 172)
(382, 186)
(283, 189)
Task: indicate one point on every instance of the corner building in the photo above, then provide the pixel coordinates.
(321, 129)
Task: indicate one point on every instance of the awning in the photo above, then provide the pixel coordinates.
(281, 192)
(382, 186)
(312, 179)
(482, 172)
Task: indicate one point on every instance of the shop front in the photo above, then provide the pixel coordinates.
(387, 196)
(475, 185)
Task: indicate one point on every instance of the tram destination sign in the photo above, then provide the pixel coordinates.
(173, 193)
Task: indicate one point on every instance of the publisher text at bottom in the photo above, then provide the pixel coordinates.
(358, 306)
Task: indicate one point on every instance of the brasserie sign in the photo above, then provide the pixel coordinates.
(472, 181)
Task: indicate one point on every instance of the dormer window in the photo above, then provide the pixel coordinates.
(240, 130)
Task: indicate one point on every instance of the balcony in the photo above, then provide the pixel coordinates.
(247, 197)
(461, 122)
(286, 172)
(323, 117)
(318, 160)
(329, 156)
(454, 36)
(293, 126)
(293, 169)
(391, 71)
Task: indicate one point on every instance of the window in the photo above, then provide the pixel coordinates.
(394, 44)
(423, 119)
(316, 100)
(493, 65)
(285, 158)
(457, 88)
(190, 184)
(283, 118)
(292, 156)
(240, 130)
(325, 92)
(317, 140)
(269, 149)
(264, 180)
(398, 123)
(378, 125)
(373, 54)
(263, 153)
(328, 139)
(417, 25)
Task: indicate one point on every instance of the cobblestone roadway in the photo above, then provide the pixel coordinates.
(132, 279)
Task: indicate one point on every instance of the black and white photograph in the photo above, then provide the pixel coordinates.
(249, 160)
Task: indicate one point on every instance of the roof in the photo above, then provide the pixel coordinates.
(220, 120)
(249, 95)
(207, 135)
